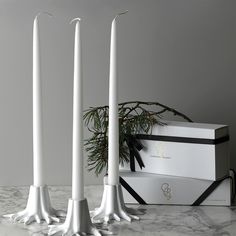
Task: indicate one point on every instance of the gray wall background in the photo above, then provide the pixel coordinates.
(178, 52)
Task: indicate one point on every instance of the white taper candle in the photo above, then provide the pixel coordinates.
(77, 160)
(37, 108)
(113, 130)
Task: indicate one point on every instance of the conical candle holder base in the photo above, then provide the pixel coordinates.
(38, 208)
(113, 206)
(77, 221)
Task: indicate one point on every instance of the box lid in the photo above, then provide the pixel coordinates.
(191, 130)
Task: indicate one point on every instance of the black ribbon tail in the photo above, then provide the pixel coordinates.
(234, 183)
(132, 160)
(137, 144)
(138, 158)
(209, 190)
(134, 146)
(132, 192)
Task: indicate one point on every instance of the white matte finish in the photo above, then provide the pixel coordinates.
(191, 130)
(37, 109)
(161, 189)
(113, 130)
(113, 206)
(38, 208)
(39, 205)
(77, 153)
(77, 221)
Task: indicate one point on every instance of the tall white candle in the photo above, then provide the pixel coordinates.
(113, 130)
(77, 162)
(37, 108)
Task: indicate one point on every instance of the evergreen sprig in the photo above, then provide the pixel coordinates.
(134, 117)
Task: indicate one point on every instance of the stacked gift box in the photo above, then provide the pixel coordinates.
(179, 163)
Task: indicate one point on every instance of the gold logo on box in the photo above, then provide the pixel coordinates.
(166, 190)
(159, 151)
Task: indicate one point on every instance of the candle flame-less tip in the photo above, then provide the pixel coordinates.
(43, 12)
(75, 19)
(121, 13)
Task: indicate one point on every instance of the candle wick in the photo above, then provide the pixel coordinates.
(44, 12)
(75, 19)
(121, 13)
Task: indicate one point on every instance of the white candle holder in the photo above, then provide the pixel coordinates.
(77, 221)
(38, 208)
(113, 206)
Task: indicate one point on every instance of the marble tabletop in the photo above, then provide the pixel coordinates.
(156, 220)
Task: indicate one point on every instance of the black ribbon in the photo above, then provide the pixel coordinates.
(132, 192)
(209, 190)
(134, 146)
(183, 139)
(198, 202)
(234, 182)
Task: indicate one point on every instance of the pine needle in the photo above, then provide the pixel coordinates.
(134, 117)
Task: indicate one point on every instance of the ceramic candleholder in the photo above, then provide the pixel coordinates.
(38, 208)
(77, 221)
(113, 206)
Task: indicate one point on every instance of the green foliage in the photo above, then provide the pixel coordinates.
(134, 117)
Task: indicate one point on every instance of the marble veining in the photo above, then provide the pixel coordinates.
(155, 220)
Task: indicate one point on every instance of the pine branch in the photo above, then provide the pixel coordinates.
(134, 117)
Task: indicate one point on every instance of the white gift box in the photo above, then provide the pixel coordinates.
(185, 149)
(160, 189)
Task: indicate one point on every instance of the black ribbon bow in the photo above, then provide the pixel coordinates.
(134, 147)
